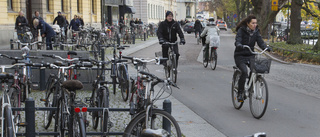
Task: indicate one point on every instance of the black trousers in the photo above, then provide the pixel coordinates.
(242, 62)
(175, 49)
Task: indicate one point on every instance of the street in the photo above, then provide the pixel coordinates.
(293, 109)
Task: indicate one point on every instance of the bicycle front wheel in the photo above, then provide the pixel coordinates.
(205, 59)
(159, 119)
(259, 98)
(174, 71)
(234, 90)
(213, 59)
(124, 82)
(8, 125)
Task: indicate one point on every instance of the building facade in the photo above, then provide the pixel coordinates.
(186, 9)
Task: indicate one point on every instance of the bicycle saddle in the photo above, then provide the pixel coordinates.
(6, 76)
(72, 85)
(72, 53)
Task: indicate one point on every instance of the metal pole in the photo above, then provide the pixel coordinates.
(30, 117)
(168, 108)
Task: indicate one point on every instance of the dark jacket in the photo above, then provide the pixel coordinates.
(75, 23)
(81, 22)
(243, 38)
(60, 21)
(168, 31)
(46, 29)
(132, 23)
(23, 21)
(197, 26)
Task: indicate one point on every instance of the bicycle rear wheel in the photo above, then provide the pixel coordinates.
(137, 126)
(50, 101)
(259, 98)
(8, 125)
(79, 128)
(234, 90)
(105, 114)
(213, 59)
(124, 82)
(205, 60)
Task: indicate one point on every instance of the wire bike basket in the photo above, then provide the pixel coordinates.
(262, 65)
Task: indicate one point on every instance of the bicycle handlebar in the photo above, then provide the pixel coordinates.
(152, 76)
(169, 43)
(59, 57)
(256, 53)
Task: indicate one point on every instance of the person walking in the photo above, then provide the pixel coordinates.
(167, 32)
(21, 23)
(35, 32)
(46, 31)
(74, 23)
(197, 27)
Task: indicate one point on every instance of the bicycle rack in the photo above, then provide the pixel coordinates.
(30, 118)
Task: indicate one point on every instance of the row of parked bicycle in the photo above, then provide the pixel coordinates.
(69, 114)
(86, 36)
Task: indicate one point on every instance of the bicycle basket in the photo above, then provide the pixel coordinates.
(262, 65)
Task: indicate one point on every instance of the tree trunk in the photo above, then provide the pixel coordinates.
(295, 18)
(317, 46)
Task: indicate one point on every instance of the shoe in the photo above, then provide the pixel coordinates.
(240, 97)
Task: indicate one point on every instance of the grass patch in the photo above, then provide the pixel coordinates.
(301, 53)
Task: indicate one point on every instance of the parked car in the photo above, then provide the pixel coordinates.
(189, 27)
(222, 25)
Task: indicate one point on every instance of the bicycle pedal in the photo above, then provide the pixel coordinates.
(22, 124)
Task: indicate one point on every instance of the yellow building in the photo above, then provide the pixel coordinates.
(90, 10)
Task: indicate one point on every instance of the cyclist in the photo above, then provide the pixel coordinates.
(21, 23)
(197, 27)
(61, 22)
(247, 34)
(167, 32)
(210, 30)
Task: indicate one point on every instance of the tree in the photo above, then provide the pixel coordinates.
(295, 18)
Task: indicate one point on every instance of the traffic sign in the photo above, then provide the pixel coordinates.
(228, 17)
(235, 16)
(274, 5)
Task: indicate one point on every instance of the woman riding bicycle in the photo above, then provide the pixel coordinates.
(247, 34)
(210, 30)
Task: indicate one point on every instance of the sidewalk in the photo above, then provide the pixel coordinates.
(190, 123)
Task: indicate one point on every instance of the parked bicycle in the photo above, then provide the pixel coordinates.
(256, 88)
(153, 121)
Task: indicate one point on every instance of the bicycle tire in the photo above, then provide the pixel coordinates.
(234, 90)
(14, 100)
(95, 114)
(8, 123)
(79, 128)
(114, 78)
(105, 114)
(174, 71)
(213, 59)
(254, 98)
(139, 120)
(123, 82)
(48, 115)
(60, 118)
(204, 61)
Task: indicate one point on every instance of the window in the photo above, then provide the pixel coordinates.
(9, 4)
(188, 11)
(79, 6)
(148, 10)
(62, 6)
(151, 12)
(93, 6)
(48, 5)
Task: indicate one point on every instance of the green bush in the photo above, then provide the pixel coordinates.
(296, 53)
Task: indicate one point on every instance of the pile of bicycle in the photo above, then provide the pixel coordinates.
(68, 113)
(86, 38)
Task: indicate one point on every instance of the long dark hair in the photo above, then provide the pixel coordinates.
(245, 21)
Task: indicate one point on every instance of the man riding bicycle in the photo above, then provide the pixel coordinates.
(247, 34)
(167, 32)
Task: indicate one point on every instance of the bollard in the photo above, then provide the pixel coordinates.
(11, 44)
(167, 106)
(133, 38)
(30, 117)
(42, 79)
(144, 36)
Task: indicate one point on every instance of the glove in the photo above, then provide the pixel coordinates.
(269, 49)
(182, 41)
(161, 41)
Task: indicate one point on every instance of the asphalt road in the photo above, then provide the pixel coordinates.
(293, 109)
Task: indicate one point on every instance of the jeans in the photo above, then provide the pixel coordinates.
(197, 32)
(165, 54)
(48, 42)
(20, 37)
(242, 62)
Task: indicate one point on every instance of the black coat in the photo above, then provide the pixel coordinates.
(23, 21)
(168, 31)
(243, 38)
(60, 21)
(197, 26)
